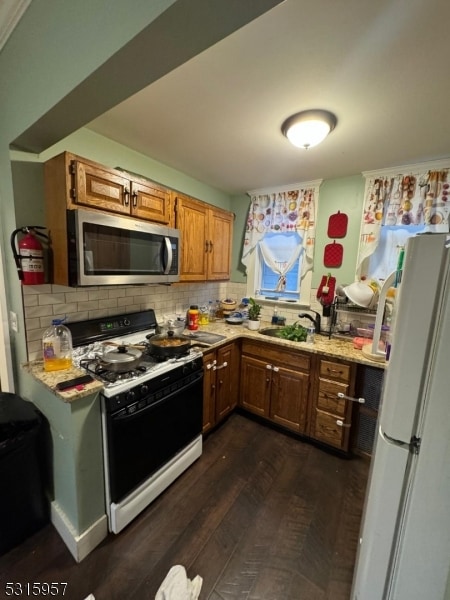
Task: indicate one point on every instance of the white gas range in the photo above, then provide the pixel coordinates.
(151, 414)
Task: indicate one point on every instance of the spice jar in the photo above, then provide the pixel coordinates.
(193, 317)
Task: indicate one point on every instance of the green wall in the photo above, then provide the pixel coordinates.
(93, 146)
(346, 195)
(68, 62)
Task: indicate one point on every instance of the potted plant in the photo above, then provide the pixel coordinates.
(254, 310)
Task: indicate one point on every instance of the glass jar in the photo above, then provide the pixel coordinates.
(310, 335)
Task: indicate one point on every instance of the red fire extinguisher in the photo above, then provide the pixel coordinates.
(30, 258)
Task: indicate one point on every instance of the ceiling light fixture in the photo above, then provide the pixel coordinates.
(309, 127)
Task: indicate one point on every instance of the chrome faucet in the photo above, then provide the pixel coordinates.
(316, 320)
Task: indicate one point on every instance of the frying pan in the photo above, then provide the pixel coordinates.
(170, 345)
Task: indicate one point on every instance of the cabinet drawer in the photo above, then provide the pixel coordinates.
(276, 355)
(328, 431)
(335, 370)
(327, 399)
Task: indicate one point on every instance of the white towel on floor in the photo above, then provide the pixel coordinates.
(177, 586)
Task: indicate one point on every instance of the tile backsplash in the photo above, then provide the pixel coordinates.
(46, 302)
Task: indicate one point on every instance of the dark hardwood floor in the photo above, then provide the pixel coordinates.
(260, 516)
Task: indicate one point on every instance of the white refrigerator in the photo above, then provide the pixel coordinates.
(404, 545)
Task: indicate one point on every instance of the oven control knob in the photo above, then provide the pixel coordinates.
(131, 396)
(144, 390)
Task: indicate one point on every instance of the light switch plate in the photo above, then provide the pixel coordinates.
(13, 321)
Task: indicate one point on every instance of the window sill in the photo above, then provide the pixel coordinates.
(295, 304)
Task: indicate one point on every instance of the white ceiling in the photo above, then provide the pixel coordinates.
(382, 67)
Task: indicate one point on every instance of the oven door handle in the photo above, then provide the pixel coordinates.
(116, 417)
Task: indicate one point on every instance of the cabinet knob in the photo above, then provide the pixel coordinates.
(276, 369)
(341, 423)
(269, 367)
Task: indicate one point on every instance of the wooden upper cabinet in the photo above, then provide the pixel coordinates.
(98, 187)
(192, 221)
(151, 202)
(206, 239)
(220, 239)
(81, 182)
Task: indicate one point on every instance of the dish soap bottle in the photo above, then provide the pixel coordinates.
(57, 347)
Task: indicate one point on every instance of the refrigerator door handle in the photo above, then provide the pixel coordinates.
(412, 446)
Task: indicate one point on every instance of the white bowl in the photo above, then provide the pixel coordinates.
(360, 293)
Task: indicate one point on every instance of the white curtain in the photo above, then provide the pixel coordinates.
(282, 259)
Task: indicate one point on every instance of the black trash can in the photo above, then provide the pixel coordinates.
(23, 505)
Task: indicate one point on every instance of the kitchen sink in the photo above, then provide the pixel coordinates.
(271, 331)
(275, 332)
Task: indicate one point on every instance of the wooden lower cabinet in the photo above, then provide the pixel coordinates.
(220, 384)
(331, 415)
(275, 384)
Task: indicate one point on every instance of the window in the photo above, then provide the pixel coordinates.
(384, 260)
(278, 248)
(280, 257)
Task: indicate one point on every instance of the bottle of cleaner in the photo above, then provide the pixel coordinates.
(57, 347)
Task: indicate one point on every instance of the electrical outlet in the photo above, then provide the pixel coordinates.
(13, 321)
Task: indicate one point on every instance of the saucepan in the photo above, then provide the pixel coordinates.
(121, 358)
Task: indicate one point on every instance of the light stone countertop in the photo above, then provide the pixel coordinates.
(334, 348)
(51, 378)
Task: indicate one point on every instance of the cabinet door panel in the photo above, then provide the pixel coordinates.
(255, 386)
(227, 380)
(192, 222)
(220, 237)
(209, 391)
(327, 399)
(335, 370)
(289, 399)
(327, 430)
(150, 203)
(279, 356)
(99, 188)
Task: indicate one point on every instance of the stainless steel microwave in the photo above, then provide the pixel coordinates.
(112, 250)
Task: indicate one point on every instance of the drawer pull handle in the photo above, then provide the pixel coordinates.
(342, 424)
(360, 400)
(222, 366)
(211, 365)
(335, 371)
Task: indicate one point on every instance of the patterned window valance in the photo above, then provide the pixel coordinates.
(284, 211)
(410, 196)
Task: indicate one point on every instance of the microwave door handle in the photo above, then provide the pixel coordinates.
(169, 255)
